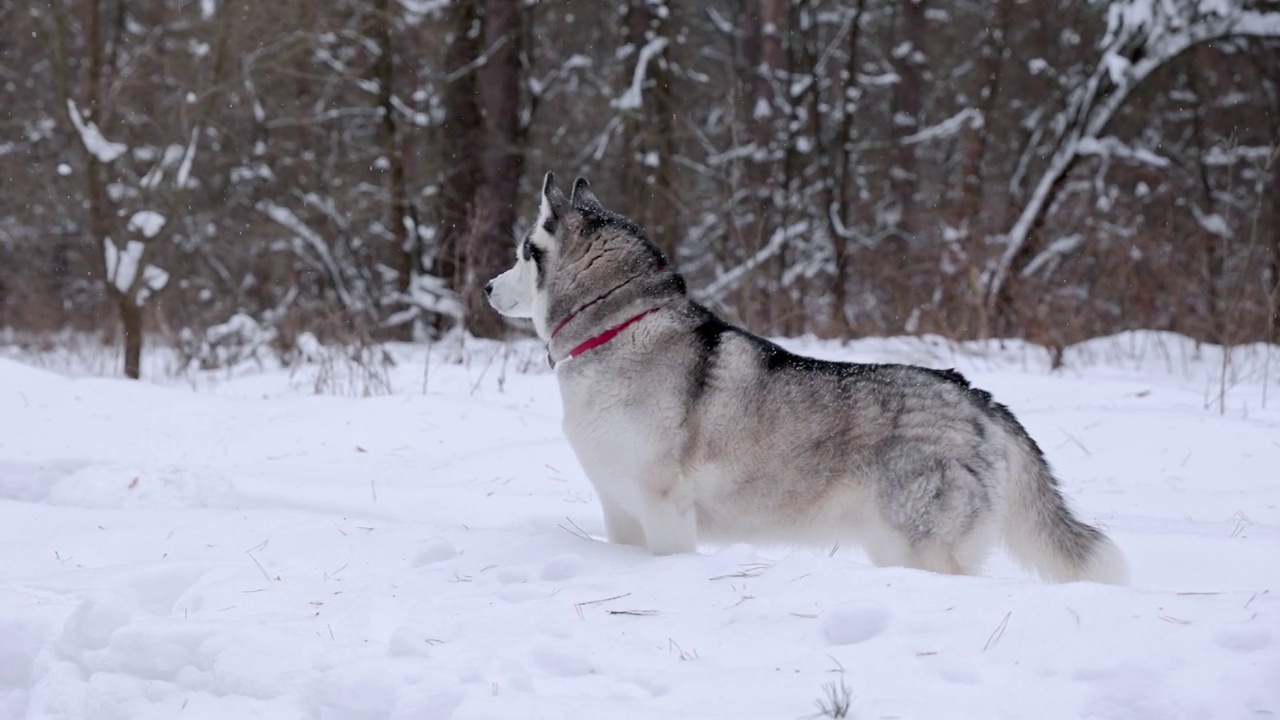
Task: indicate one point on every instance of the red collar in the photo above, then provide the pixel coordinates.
(609, 334)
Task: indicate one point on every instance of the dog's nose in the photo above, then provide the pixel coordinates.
(488, 288)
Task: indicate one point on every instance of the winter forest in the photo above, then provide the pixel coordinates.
(187, 173)
(346, 488)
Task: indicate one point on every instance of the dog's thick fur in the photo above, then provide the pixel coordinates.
(692, 429)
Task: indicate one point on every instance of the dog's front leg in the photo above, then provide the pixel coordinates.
(621, 526)
(670, 526)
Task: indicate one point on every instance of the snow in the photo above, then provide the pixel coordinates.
(239, 339)
(154, 280)
(147, 222)
(1117, 66)
(424, 7)
(242, 327)
(257, 171)
(97, 145)
(761, 109)
(886, 79)
(122, 268)
(1256, 23)
(229, 544)
(1212, 223)
(172, 154)
(184, 170)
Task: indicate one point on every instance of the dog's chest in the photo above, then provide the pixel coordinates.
(607, 415)
(616, 429)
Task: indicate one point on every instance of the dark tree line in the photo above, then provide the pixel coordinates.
(1051, 169)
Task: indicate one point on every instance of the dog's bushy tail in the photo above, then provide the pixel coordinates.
(1040, 531)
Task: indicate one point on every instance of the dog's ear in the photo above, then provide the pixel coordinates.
(582, 198)
(553, 204)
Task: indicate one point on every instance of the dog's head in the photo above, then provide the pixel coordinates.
(579, 265)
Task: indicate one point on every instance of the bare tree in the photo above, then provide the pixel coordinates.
(132, 216)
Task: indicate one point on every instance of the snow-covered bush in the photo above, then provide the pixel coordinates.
(240, 339)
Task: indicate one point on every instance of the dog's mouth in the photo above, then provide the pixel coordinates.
(502, 308)
(582, 308)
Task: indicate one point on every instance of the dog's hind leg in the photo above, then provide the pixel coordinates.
(937, 557)
(889, 547)
(885, 546)
(960, 556)
(970, 551)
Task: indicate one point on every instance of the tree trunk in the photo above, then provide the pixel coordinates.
(95, 187)
(1274, 323)
(1274, 329)
(401, 219)
(749, 219)
(970, 201)
(762, 50)
(131, 319)
(973, 137)
(99, 211)
(775, 188)
(494, 212)
(906, 111)
(840, 193)
(649, 133)
(460, 143)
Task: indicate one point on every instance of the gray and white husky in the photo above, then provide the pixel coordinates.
(692, 429)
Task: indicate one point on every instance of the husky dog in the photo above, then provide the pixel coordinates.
(692, 429)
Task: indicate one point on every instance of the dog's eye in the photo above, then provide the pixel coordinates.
(532, 252)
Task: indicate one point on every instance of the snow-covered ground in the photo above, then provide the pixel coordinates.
(237, 546)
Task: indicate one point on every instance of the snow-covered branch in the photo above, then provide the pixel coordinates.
(632, 98)
(1054, 253)
(952, 125)
(1112, 147)
(730, 279)
(94, 142)
(309, 238)
(429, 294)
(1212, 223)
(184, 170)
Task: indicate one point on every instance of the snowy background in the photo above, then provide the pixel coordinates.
(349, 540)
